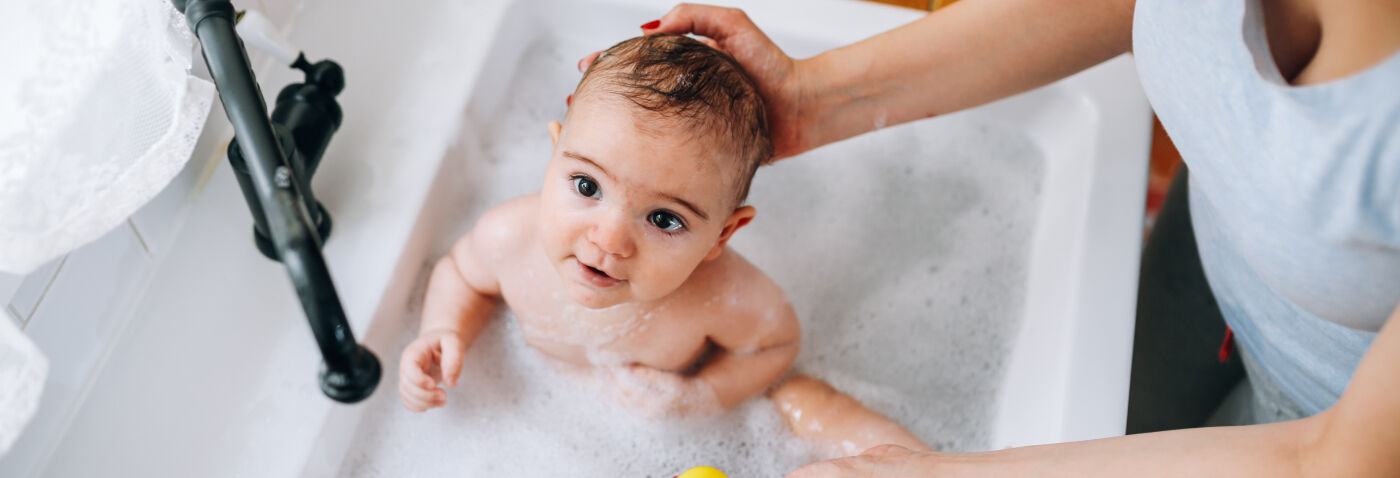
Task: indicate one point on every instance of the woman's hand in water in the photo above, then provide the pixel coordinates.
(779, 77)
(881, 461)
(435, 357)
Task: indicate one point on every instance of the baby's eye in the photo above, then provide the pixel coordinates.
(665, 221)
(586, 186)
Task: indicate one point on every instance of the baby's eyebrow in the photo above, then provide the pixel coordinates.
(580, 157)
(689, 206)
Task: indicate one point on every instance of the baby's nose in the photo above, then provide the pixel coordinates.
(614, 236)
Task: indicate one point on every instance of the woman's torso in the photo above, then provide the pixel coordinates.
(1295, 191)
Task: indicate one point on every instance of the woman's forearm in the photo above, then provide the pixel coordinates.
(1273, 450)
(1358, 437)
(961, 56)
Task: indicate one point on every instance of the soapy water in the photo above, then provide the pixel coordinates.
(904, 253)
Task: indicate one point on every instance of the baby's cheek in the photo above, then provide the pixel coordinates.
(554, 233)
(669, 273)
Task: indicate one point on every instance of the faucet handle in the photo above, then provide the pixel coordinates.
(325, 74)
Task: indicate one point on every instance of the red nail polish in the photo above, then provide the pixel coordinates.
(651, 24)
(569, 101)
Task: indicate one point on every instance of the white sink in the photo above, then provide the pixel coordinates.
(216, 373)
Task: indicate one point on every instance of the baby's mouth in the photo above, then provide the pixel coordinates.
(598, 271)
(596, 276)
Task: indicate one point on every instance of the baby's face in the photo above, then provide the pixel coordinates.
(627, 214)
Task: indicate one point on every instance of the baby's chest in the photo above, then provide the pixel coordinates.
(668, 344)
(587, 337)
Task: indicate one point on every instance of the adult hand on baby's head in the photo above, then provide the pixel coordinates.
(434, 357)
(880, 461)
(779, 77)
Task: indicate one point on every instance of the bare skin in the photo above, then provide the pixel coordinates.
(617, 266)
(845, 427)
(972, 53)
(975, 52)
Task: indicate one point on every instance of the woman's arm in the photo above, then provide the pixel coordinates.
(1358, 437)
(961, 56)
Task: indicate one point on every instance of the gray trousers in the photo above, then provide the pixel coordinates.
(1177, 379)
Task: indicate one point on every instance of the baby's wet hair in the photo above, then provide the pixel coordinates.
(679, 78)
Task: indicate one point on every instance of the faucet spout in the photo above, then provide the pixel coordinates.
(281, 202)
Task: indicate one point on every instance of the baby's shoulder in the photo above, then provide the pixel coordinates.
(508, 225)
(745, 304)
(737, 285)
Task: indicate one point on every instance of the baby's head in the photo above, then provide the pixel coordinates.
(650, 169)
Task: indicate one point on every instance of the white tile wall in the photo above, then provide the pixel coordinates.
(5, 311)
(75, 307)
(9, 283)
(76, 322)
(32, 289)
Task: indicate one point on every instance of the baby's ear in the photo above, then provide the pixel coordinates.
(554, 129)
(740, 218)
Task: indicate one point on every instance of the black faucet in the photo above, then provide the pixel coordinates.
(273, 160)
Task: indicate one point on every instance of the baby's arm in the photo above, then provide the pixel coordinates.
(751, 356)
(752, 349)
(755, 336)
(461, 298)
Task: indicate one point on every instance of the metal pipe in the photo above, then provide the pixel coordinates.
(349, 371)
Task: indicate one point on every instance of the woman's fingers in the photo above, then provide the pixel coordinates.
(714, 24)
(730, 30)
(839, 468)
(883, 450)
(584, 63)
(709, 21)
(884, 460)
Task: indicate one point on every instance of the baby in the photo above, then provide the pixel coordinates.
(619, 263)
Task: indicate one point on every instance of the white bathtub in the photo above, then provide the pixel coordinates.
(172, 402)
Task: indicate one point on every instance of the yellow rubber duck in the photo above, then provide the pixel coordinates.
(702, 472)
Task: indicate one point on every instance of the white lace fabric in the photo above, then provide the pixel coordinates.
(98, 112)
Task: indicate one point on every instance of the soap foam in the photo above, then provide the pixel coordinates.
(904, 253)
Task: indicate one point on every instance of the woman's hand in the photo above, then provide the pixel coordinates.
(881, 461)
(778, 76)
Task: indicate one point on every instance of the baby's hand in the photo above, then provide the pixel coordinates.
(658, 393)
(434, 357)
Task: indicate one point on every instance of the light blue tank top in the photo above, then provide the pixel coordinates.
(1295, 191)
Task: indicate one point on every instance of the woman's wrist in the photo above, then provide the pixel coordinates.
(804, 119)
(834, 103)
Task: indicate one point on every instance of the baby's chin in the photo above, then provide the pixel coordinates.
(591, 298)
